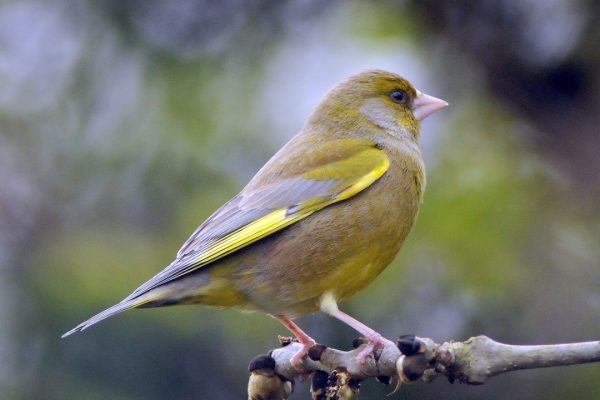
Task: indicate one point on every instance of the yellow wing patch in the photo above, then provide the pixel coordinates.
(248, 234)
(382, 163)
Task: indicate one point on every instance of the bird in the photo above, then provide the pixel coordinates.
(317, 223)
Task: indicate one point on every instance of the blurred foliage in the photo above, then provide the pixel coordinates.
(123, 124)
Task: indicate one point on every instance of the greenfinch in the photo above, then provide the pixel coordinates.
(317, 223)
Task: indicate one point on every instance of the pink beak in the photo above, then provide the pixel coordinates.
(424, 105)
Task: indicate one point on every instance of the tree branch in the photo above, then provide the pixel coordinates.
(480, 358)
(412, 359)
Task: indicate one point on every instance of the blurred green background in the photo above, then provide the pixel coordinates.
(123, 124)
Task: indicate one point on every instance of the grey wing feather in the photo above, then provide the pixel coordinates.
(247, 207)
(235, 214)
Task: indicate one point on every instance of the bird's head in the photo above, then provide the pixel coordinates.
(377, 97)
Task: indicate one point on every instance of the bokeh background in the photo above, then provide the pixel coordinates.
(124, 123)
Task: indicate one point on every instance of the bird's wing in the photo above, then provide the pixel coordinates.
(253, 215)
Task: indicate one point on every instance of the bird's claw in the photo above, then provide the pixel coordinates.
(298, 357)
(372, 343)
(365, 353)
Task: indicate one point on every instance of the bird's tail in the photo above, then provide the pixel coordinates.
(124, 305)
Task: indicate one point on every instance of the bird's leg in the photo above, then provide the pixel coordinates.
(306, 341)
(374, 339)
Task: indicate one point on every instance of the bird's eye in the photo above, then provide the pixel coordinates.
(399, 96)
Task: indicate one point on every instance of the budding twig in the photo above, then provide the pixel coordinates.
(412, 360)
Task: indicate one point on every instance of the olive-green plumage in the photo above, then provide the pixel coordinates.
(322, 218)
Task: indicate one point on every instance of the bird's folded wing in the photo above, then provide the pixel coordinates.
(253, 215)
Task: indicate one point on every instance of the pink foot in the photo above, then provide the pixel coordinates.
(306, 341)
(297, 358)
(375, 341)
